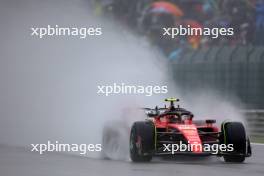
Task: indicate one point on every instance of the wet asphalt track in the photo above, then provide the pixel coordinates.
(19, 162)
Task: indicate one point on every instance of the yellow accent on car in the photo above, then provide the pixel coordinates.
(172, 99)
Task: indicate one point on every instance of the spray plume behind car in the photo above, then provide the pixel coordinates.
(48, 87)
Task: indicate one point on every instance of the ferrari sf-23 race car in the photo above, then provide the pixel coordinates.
(167, 129)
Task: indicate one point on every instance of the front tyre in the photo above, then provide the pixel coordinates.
(234, 133)
(142, 141)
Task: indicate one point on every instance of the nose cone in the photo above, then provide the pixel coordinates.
(191, 135)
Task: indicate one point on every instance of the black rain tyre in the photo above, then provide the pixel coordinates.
(234, 133)
(142, 141)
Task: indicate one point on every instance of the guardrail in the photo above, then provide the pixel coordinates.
(234, 71)
(255, 122)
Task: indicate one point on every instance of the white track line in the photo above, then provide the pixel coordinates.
(258, 144)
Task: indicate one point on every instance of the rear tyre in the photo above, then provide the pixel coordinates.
(234, 133)
(142, 141)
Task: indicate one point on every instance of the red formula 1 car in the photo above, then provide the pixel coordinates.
(172, 131)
